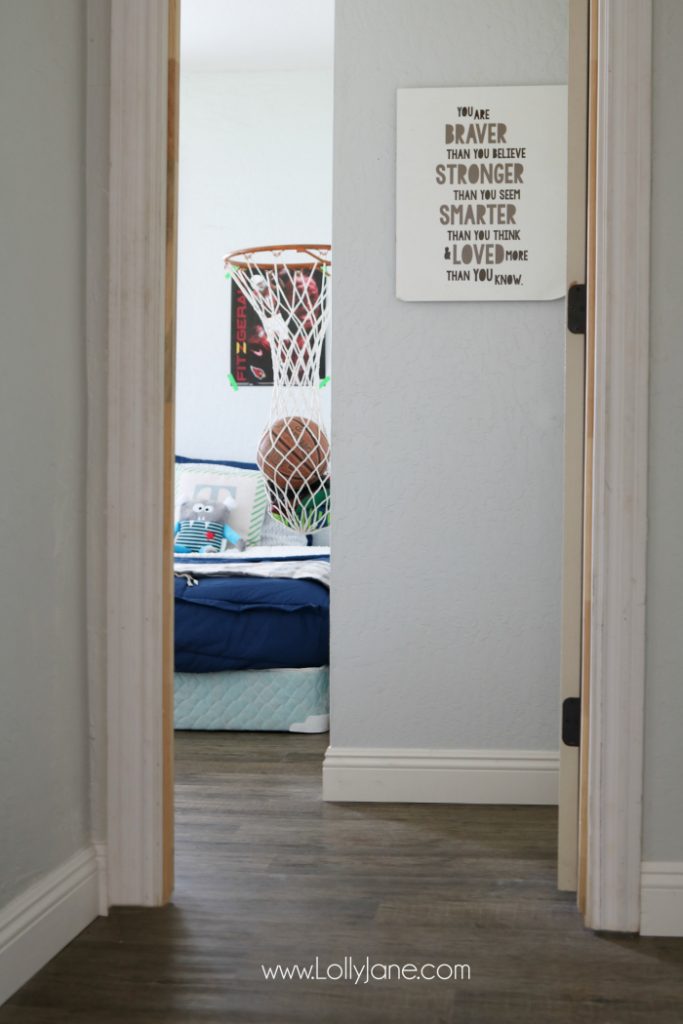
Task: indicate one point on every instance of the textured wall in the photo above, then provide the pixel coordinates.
(43, 716)
(255, 168)
(447, 421)
(663, 821)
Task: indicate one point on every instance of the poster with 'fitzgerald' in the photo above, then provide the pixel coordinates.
(481, 185)
(251, 359)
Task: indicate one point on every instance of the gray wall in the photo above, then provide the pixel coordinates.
(447, 421)
(663, 821)
(43, 709)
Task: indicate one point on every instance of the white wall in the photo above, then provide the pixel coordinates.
(43, 704)
(447, 422)
(663, 810)
(255, 168)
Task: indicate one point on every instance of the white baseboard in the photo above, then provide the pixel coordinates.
(440, 776)
(661, 898)
(47, 916)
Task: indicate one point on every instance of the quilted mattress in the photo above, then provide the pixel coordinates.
(269, 700)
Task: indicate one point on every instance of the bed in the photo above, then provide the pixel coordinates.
(252, 639)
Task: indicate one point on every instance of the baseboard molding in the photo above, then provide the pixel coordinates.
(661, 898)
(47, 916)
(440, 776)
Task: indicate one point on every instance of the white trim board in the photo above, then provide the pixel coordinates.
(619, 514)
(361, 774)
(98, 18)
(661, 900)
(46, 917)
(135, 473)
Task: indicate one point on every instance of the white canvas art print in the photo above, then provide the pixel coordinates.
(481, 185)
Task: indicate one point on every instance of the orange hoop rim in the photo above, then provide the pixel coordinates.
(319, 255)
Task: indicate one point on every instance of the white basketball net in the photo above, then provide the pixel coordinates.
(289, 288)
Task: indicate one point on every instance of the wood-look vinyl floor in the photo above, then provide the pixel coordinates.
(267, 873)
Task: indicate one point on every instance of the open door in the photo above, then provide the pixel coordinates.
(574, 445)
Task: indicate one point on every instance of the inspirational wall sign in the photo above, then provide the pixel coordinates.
(481, 187)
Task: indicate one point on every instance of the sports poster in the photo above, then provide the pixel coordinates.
(251, 361)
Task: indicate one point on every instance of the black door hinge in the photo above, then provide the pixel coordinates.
(576, 309)
(571, 721)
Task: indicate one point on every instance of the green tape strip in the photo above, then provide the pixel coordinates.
(324, 382)
(233, 383)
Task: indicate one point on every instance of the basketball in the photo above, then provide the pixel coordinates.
(294, 452)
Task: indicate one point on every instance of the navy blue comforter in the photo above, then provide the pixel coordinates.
(250, 622)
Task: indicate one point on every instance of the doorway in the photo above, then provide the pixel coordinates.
(610, 26)
(252, 449)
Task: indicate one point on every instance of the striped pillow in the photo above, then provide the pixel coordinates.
(195, 481)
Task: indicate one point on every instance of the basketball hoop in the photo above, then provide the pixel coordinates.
(288, 287)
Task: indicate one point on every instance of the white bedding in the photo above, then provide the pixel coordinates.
(288, 562)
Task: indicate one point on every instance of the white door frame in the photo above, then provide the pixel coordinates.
(134, 815)
(135, 507)
(619, 513)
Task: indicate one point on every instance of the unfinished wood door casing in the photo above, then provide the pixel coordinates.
(173, 108)
(616, 464)
(138, 819)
